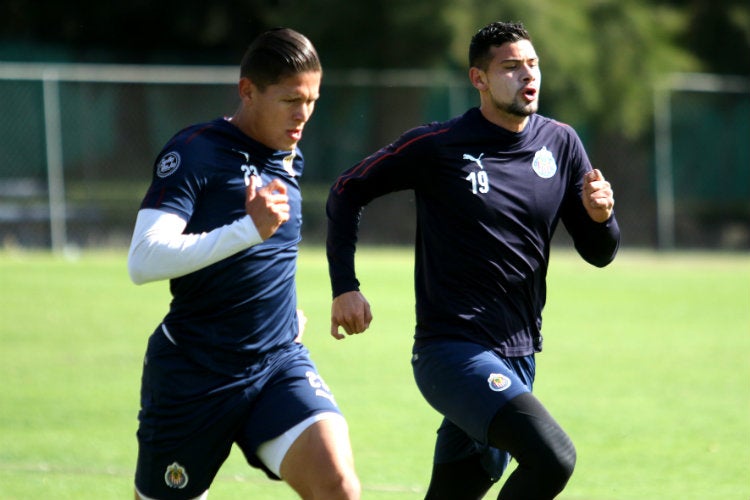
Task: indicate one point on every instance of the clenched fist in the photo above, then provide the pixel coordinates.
(598, 198)
(268, 206)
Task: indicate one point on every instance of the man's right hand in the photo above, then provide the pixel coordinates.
(351, 311)
(268, 206)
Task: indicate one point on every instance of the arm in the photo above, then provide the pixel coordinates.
(350, 308)
(392, 168)
(160, 250)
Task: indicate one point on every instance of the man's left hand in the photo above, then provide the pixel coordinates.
(598, 198)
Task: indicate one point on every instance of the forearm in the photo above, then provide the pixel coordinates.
(159, 250)
(598, 242)
(341, 241)
(392, 168)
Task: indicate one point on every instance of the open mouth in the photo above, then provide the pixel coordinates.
(530, 93)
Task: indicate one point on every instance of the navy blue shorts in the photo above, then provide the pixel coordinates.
(468, 384)
(190, 416)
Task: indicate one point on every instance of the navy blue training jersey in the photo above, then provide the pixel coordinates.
(227, 315)
(488, 201)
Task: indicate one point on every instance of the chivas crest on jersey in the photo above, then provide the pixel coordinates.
(544, 163)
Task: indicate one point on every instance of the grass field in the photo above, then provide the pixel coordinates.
(646, 364)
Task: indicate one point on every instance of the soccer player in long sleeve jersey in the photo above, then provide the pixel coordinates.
(490, 188)
(221, 220)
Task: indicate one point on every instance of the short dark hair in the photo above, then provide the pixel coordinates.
(276, 54)
(494, 34)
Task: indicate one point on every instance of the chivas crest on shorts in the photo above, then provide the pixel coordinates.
(498, 382)
(175, 476)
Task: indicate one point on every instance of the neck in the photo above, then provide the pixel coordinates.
(237, 119)
(508, 121)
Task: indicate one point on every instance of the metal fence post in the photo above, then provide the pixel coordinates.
(55, 177)
(663, 155)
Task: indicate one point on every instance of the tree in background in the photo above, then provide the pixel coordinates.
(718, 34)
(603, 55)
(600, 58)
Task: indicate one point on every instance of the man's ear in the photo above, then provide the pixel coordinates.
(478, 78)
(246, 89)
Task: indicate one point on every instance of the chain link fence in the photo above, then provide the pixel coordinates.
(702, 158)
(77, 145)
(77, 142)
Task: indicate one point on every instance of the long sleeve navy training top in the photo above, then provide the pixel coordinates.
(488, 201)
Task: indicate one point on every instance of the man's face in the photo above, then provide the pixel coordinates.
(276, 116)
(511, 82)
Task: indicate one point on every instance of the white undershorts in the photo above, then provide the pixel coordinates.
(273, 451)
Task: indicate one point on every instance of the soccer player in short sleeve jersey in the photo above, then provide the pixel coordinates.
(221, 221)
(491, 187)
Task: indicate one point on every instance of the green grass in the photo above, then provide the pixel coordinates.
(646, 365)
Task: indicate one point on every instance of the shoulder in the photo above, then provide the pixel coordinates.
(427, 132)
(189, 146)
(551, 126)
(553, 131)
(199, 135)
(433, 134)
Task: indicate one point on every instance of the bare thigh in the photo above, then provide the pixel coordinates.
(320, 465)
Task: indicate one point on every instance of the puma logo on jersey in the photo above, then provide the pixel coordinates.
(478, 160)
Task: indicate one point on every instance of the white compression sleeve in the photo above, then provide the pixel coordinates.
(159, 250)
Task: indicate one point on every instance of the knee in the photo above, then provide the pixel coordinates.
(343, 486)
(349, 486)
(352, 488)
(559, 466)
(567, 462)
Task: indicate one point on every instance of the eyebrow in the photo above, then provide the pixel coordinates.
(520, 59)
(299, 96)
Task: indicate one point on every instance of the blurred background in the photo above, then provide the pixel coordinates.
(659, 91)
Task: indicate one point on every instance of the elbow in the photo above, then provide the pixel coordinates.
(602, 256)
(136, 268)
(599, 245)
(136, 275)
(597, 250)
(599, 262)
